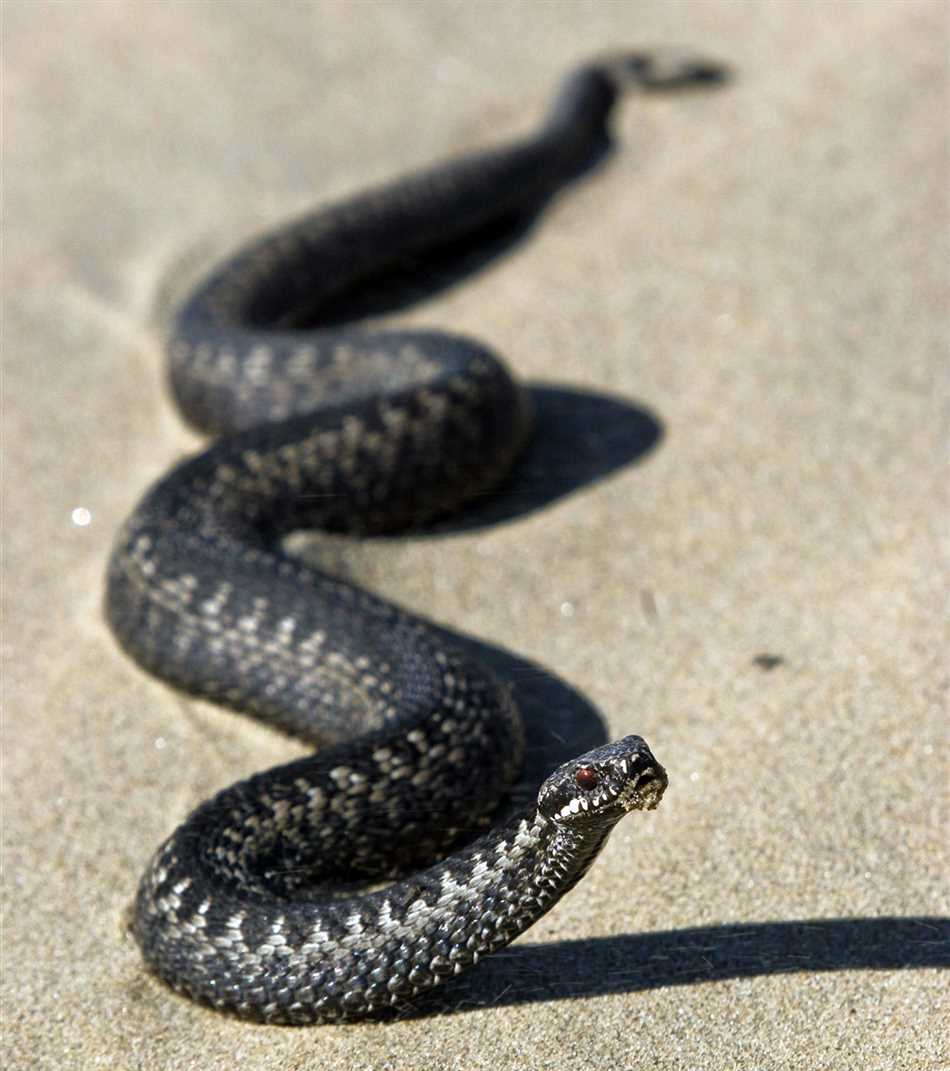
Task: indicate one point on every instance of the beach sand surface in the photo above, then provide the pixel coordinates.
(738, 324)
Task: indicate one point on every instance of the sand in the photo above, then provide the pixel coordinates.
(744, 311)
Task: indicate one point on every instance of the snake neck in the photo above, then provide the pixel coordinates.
(568, 857)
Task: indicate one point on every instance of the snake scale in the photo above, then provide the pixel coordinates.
(356, 432)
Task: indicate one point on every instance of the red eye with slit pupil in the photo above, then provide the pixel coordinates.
(586, 778)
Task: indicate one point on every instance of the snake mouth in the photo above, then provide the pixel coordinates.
(645, 793)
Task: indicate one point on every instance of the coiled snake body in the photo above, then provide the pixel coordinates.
(362, 433)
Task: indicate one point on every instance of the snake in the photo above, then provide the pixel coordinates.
(346, 883)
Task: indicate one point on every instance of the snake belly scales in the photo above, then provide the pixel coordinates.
(354, 432)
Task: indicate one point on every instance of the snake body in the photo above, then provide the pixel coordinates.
(361, 433)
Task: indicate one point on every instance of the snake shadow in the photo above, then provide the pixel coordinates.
(632, 963)
(413, 278)
(580, 438)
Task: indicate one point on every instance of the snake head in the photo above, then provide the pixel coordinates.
(601, 786)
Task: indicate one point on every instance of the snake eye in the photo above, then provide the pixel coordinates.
(586, 778)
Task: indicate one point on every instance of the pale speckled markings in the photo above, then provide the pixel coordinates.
(362, 433)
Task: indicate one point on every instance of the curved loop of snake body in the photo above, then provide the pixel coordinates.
(354, 432)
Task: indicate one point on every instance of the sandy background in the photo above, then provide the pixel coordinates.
(761, 272)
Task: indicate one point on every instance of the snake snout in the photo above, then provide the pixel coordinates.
(649, 789)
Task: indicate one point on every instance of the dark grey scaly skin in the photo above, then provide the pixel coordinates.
(361, 433)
